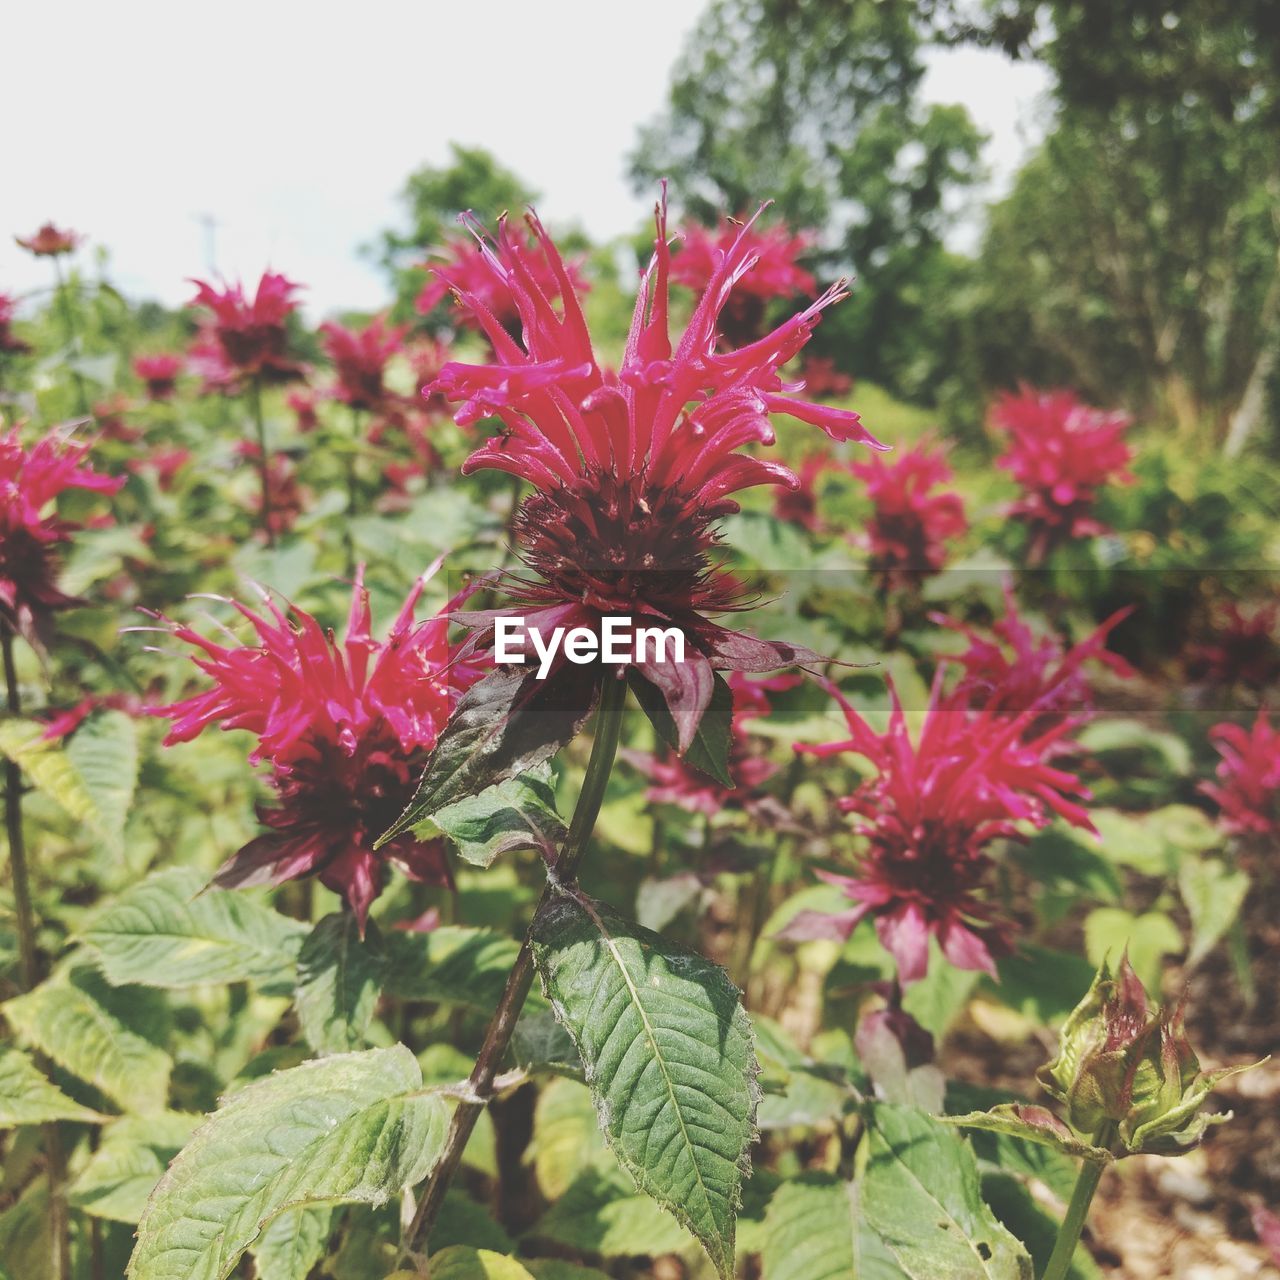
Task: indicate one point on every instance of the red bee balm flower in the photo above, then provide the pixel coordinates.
(49, 242)
(250, 338)
(771, 271)
(10, 343)
(632, 470)
(345, 728)
(160, 373)
(468, 271)
(929, 815)
(360, 360)
(911, 522)
(1060, 452)
(1248, 789)
(800, 505)
(30, 482)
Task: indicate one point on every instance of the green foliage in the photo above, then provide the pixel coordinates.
(667, 1051)
(354, 1128)
(519, 813)
(27, 1097)
(340, 977)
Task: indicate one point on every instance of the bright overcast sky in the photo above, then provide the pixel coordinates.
(295, 124)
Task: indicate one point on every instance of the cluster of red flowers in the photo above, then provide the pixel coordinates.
(360, 361)
(678, 783)
(1243, 646)
(631, 470)
(1248, 786)
(467, 271)
(285, 497)
(979, 769)
(345, 729)
(768, 269)
(31, 480)
(799, 505)
(242, 340)
(1061, 453)
(10, 343)
(159, 373)
(50, 241)
(914, 515)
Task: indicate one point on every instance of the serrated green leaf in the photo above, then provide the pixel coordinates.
(1148, 938)
(602, 1213)
(809, 1231)
(104, 752)
(123, 1172)
(709, 750)
(666, 1047)
(293, 1243)
(28, 1097)
(1117, 735)
(1017, 1209)
(68, 1019)
(340, 977)
(1009, 1119)
(1213, 894)
(48, 767)
(919, 1199)
(171, 931)
(459, 1262)
(556, 1269)
(354, 1128)
(505, 724)
(519, 813)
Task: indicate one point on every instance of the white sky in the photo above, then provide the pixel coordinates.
(295, 124)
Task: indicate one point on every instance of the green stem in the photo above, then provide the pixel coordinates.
(1064, 1249)
(353, 496)
(498, 1036)
(29, 965)
(264, 462)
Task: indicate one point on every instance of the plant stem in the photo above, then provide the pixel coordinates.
(29, 963)
(353, 497)
(264, 463)
(1064, 1249)
(498, 1036)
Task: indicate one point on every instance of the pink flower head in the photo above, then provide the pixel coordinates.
(800, 505)
(823, 381)
(164, 463)
(109, 418)
(31, 480)
(469, 270)
(1243, 647)
(303, 404)
(50, 242)
(360, 360)
(160, 373)
(927, 819)
(631, 470)
(10, 343)
(244, 339)
(1012, 668)
(677, 783)
(1060, 452)
(1248, 786)
(773, 271)
(345, 728)
(914, 515)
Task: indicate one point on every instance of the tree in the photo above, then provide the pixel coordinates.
(435, 195)
(815, 104)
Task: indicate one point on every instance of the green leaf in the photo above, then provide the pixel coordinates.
(1030, 1124)
(666, 1047)
(566, 1135)
(69, 1020)
(1106, 736)
(340, 977)
(123, 1172)
(170, 931)
(354, 1128)
(1213, 893)
(809, 1231)
(459, 1262)
(104, 752)
(27, 1097)
(1041, 983)
(451, 965)
(919, 1203)
(557, 1269)
(49, 768)
(1148, 938)
(293, 1243)
(519, 813)
(1012, 1202)
(505, 724)
(709, 750)
(602, 1213)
